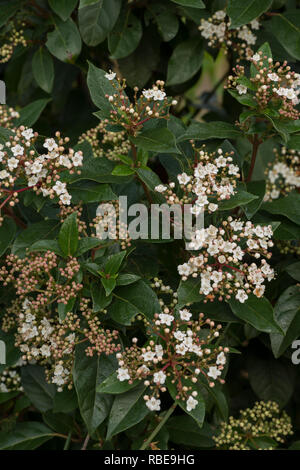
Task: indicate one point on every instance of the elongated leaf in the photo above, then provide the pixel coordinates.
(39, 392)
(188, 292)
(113, 385)
(270, 379)
(242, 13)
(210, 130)
(289, 206)
(63, 8)
(30, 114)
(156, 140)
(97, 19)
(68, 235)
(88, 374)
(129, 301)
(7, 234)
(25, 436)
(190, 3)
(185, 61)
(43, 69)
(256, 312)
(286, 29)
(125, 36)
(128, 409)
(286, 313)
(65, 41)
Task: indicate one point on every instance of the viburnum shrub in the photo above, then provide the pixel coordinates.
(149, 224)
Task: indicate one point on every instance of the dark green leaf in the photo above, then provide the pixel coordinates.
(39, 392)
(68, 235)
(125, 36)
(128, 409)
(242, 13)
(43, 69)
(97, 19)
(88, 374)
(185, 61)
(129, 301)
(63, 8)
(257, 312)
(30, 114)
(65, 41)
(7, 233)
(25, 436)
(156, 140)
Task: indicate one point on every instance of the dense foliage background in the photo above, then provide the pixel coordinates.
(54, 55)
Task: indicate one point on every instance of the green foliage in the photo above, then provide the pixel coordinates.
(134, 90)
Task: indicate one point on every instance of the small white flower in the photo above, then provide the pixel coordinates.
(17, 150)
(191, 403)
(159, 95)
(110, 75)
(148, 94)
(148, 356)
(242, 89)
(153, 404)
(214, 372)
(221, 359)
(4, 174)
(59, 188)
(159, 377)
(28, 134)
(185, 314)
(256, 57)
(166, 319)
(241, 296)
(45, 350)
(65, 199)
(122, 374)
(273, 76)
(183, 178)
(50, 144)
(179, 335)
(77, 159)
(160, 188)
(12, 163)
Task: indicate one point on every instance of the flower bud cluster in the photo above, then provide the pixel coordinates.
(254, 426)
(151, 103)
(106, 143)
(12, 36)
(180, 351)
(283, 175)
(214, 179)
(10, 380)
(217, 30)
(274, 85)
(7, 116)
(224, 263)
(20, 161)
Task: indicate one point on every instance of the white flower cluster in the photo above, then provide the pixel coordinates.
(181, 354)
(217, 30)
(10, 379)
(284, 174)
(214, 179)
(19, 158)
(272, 83)
(221, 264)
(37, 342)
